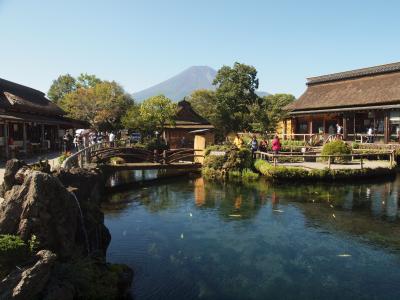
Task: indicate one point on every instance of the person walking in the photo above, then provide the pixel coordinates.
(276, 144)
(254, 146)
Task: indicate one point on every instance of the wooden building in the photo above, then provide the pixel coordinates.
(186, 121)
(29, 122)
(356, 100)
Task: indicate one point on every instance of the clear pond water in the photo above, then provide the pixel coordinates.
(193, 239)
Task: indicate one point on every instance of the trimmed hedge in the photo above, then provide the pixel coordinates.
(336, 148)
(282, 173)
(13, 250)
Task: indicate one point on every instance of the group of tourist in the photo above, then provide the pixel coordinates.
(85, 138)
(255, 145)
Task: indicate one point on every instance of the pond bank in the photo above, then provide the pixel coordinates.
(319, 171)
(60, 212)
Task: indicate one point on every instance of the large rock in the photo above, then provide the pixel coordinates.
(29, 282)
(12, 167)
(41, 206)
(88, 186)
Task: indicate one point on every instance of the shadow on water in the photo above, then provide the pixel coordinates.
(189, 238)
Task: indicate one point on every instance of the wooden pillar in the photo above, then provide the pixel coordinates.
(42, 135)
(311, 126)
(24, 137)
(284, 133)
(324, 123)
(6, 149)
(354, 126)
(344, 128)
(386, 128)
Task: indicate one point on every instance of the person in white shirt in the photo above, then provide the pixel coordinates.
(370, 135)
(111, 139)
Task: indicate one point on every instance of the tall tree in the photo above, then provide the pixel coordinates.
(102, 105)
(204, 103)
(85, 80)
(60, 87)
(235, 95)
(158, 111)
(271, 110)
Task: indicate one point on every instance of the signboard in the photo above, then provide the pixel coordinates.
(217, 153)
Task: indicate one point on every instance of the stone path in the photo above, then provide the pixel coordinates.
(371, 164)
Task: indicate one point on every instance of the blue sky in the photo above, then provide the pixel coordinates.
(140, 43)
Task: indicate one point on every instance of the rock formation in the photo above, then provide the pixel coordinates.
(62, 212)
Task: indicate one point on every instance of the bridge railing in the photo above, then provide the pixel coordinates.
(82, 157)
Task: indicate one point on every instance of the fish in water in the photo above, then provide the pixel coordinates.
(190, 215)
(235, 216)
(181, 235)
(344, 255)
(333, 215)
(278, 210)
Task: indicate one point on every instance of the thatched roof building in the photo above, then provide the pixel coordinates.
(29, 121)
(356, 100)
(186, 120)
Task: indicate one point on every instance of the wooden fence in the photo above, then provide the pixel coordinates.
(274, 158)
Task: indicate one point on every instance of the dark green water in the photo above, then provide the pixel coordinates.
(191, 239)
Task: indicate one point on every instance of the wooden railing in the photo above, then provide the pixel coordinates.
(102, 152)
(274, 158)
(82, 157)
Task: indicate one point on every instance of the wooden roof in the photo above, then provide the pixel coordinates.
(20, 98)
(363, 87)
(186, 116)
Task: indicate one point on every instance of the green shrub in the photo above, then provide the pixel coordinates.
(290, 174)
(211, 173)
(234, 174)
(63, 157)
(155, 144)
(13, 250)
(214, 161)
(249, 175)
(336, 148)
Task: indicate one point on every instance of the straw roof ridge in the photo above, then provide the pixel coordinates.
(376, 70)
(20, 98)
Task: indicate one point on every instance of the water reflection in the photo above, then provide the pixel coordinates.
(191, 239)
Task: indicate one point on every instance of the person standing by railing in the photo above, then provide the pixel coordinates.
(276, 144)
(254, 146)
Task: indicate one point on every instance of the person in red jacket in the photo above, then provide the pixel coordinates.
(276, 144)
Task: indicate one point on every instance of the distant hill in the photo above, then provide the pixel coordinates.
(183, 84)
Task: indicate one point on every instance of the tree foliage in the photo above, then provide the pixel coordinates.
(269, 112)
(235, 95)
(101, 104)
(61, 86)
(153, 114)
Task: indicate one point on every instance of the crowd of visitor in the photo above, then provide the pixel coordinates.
(262, 145)
(85, 138)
